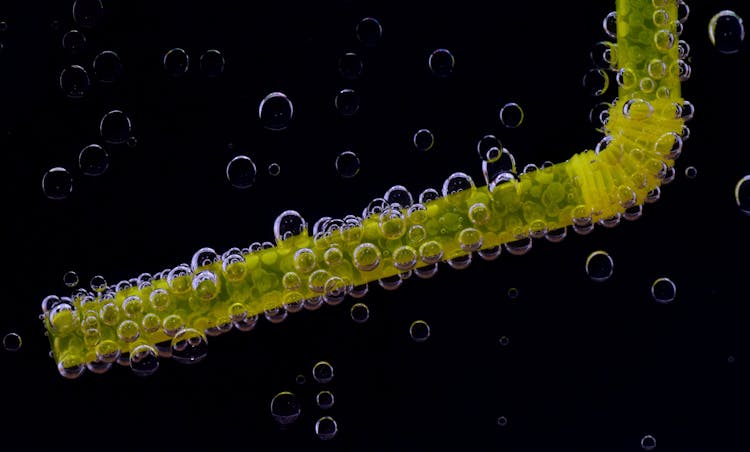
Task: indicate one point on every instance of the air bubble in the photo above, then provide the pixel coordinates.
(511, 115)
(359, 312)
(326, 428)
(609, 24)
(107, 66)
(369, 31)
(347, 102)
(241, 172)
(189, 346)
(742, 194)
(275, 111)
(596, 82)
(57, 183)
(176, 62)
(726, 31)
(504, 341)
(274, 169)
(88, 13)
(488, 148)
(423, 140)
(513, 293)
(12, 342)
(144, 360)
(74, 81)
(347, 164)
(648, 442)
(211, 63)
(93, 160)
(322, 372)
(324, 399)
(288, 224)
(70, 279)
(115, 127)
(74, 41)
(599, 266)
(350, 66)
(691, 172)
(441, 63)
(419, 331)
(285, 408)
(663, 290)
(502, 421)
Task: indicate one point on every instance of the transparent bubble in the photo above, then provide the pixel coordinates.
(488, 148)
(347, 102)
(241, 172)
(419, 331)
(596, 82)
(211, 63)
(93, 160)
(88, 13)
(511, 115)
(57, 183)
(176, 62)
(359, 312)
(691, 172)
(189, 346)
(203, 257)
(326, 428)
(98, 283)
(107, 66)
(275, 111)
(288, 224)
(12, 342)
(369, 31)
(350, 66)
(457, 182)
(423, 140)
(604, 55)
(504, 341)
(300, 379)
(428, 195)
(3, 26)
(274, 169)
(347, 164)
(115, 127)
(324, 399)
(609, 24)
(205, 285)
(648, 442)
(742, 194)
(74, 41)
(398, 194)
(599, 266)
(144, 360)
(74, 81)
(70, 368)
(322, 372)
(441, 63)
(513, 293)
(726, 31)
(70, 278)
(664, 290)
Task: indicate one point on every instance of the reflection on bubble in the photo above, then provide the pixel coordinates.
(285, 408)
(12, 342)
(241, 172)
(726, 31)
(419, 331)
(93, 160)
(57, 183)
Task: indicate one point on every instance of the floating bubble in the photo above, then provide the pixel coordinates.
(350, 66)
(691, 172)
(12, 342)
(324, 399)
(288, 224)
(664, 290)
(74, 81)
(211, 63)
(609, 24)
(107, 66)
(742, 194)
(347, 164)
(275, 111)
(511, 115)
(648, 442)
(115, 127)
(596, 82)
(504, 341)
(70, 279)
(93, 160)
(189, 346)
(502, 421)
(88, 13)
(369, 31)
(274, 169)
(599, 266)
(74, 41)
(489, 148)
(419, 331)
(241, 172)
(359, 312)
(441, 63)
(726, 31)
(57, 183)
(326, 428)
(144, 360)
(423, 140)
(513, 293)
(347, 102)
(322, 372)
(176, 62)
(98, 283)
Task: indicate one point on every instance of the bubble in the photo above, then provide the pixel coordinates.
(419, 331)
(457, 182)
(350, 66)
(3, 26)
(189, 346)
(513, 293)
(488, 148)
(502, 421)
(347, 164)
(74, 81)
(504, 341)
(132, 142)
(115, 127)
(241, 172)
(726, 31)
(441, 63)
(107, 66)
(12, 342)
(300, 379)
(98, 283)
(93, 160)
(347, 102)
(326, 428)
(423, 140)
(369, 31)
(57, 183)
(203, 257)
(74, 41)
(88, 13)
(596, 82)
(599, 266)
(511, 115)
(275, 111)
(648, 442)
(322, 372)
(288, 224)
(691, 172)
(663, 290)
(359, 312)
(609, 24)
(324, 399)
(70, 368)
(274, 169)
(144, 360)
(70, 278)
(742, 194)
(604, 55)
(176, 62)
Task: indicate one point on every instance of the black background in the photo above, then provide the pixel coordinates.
(589, 366)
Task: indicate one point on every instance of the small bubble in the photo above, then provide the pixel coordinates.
(12, 342)
(211, 63)
(596, 82)
(648, 442)
(489, 148)
(350, 66)
(93, 160)
(57, 183)
(731, 359)
(132, 142)
(663, 290)
(504, 341)
(74, 41)
(742, 194)
(88, 13)
(115, 127)
(423, 140)
(98, 283)
(419, 331)
(347, 164)
(322, 372)
(326, 428)
(324, 399)
(275, 111)
(107, 66)
(285, 408)
(3, 26)
(74, 81)
(274, 169)
(369, 31)
(691, 172)
(599, 266)
(441, 63)
(176, 62)
(359, 312)
(502, 421)
(288, 224)
(511, 115)
(513, 293)
(241, 172)
(347, 102)
(70, 278)
(726, 31)
(609, 24)
(300, 379)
